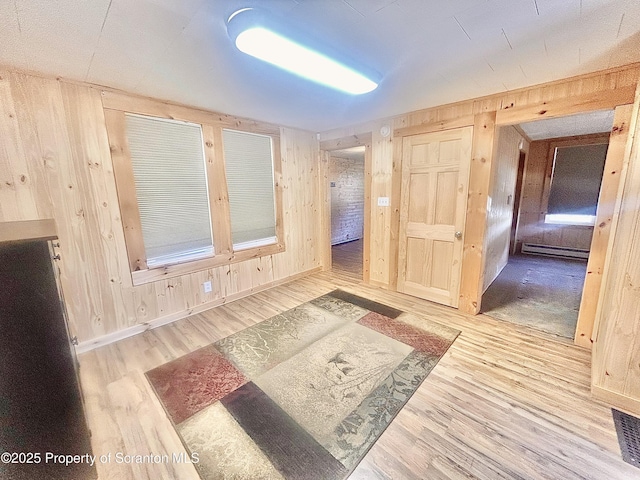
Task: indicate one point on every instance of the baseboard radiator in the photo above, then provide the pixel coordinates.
(564, 252)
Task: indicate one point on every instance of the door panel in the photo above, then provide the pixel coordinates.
(445, 212)
(435, 175)
(441, 271)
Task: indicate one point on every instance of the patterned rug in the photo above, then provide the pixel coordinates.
(302, 395)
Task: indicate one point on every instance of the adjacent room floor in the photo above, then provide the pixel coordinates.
(346, 258)
(505, 401)
(540, 292)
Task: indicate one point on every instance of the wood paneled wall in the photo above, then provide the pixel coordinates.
(383, 264)
(596, 91)
(55, 163)
(502, 193)
(618, 156)
(535, 196)
(346, 177)
(616, 349)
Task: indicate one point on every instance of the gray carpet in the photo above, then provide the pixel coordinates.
(540, 292)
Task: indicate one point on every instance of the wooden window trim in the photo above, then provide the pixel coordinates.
(218, 196)
(212, 126)
(125, 184)
(218, 260)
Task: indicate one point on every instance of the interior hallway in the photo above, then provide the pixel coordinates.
(539, 292)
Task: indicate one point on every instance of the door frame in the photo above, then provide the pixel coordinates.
(618, 152)
(482, 146)
(326, 147)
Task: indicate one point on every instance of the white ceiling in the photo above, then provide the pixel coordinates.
(429, 52)
(353, 153)
(571, 125)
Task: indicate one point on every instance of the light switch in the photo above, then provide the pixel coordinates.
(383, 201)
(207, 286)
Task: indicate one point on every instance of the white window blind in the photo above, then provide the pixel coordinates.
(171, 187)
(249, 168)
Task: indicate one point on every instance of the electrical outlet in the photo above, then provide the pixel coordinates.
(207, 286)
(383, 201)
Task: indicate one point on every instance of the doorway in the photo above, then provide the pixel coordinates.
(346, 175)
(539, 283)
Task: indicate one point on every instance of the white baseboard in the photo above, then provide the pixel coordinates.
(103, 340)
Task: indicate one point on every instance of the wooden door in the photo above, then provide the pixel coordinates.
(435, 178)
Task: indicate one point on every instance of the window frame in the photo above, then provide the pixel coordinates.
(116, 106)
(169, 259)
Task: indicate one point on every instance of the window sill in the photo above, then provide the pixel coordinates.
(570, 220)
(141, 277)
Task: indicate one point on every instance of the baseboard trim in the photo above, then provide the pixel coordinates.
(376, 283)
(109, 338)
(616, 400)
(553, 251)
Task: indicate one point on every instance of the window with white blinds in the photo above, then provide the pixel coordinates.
(250, 182)
(171, 188)
(575, 184)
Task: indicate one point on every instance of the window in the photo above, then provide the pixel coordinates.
(168, 164)
(575, 184)
(249, 167)
(196, 192)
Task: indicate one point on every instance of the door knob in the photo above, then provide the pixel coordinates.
(458, 235)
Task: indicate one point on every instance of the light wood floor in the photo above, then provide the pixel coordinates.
(504, 402)
(346, 259)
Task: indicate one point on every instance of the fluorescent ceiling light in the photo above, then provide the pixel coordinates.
(253, 37)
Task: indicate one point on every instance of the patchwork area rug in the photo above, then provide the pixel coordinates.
(302, 395)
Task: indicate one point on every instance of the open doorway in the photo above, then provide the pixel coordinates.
(539, 283)
(347, 197)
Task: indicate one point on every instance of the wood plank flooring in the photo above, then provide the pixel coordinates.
(346, 259)
(505, 402)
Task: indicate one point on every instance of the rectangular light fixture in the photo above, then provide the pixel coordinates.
(246, 28)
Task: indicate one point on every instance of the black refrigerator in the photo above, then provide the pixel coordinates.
(41, 407)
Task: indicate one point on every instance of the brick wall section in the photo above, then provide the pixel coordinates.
(347, 199)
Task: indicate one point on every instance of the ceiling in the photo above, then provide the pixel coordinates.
(353, 153)
(429, 52)
(569, 126)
